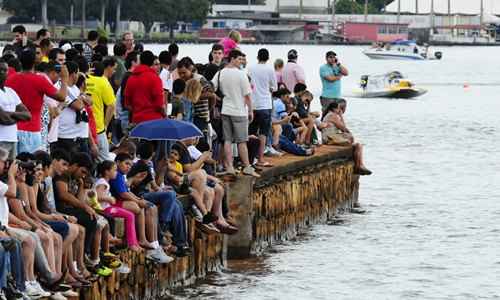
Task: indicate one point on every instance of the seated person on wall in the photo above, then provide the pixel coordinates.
(120, 189)
(284, 135)
(171, 213)
(209, 186)
(336, 133)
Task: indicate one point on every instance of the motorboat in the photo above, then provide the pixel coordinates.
(390, 85)
(402, 50)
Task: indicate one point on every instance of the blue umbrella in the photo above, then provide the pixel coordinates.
(165, 130)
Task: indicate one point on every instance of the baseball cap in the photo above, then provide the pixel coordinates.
(330, 53)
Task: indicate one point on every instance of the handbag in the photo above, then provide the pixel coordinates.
(332, 136)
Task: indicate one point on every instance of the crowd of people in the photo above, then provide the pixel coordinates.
(69, 167)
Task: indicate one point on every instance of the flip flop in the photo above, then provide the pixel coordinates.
(265, 164)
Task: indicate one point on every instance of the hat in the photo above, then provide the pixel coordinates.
(330, 53)
(66, 47)
(292, 54)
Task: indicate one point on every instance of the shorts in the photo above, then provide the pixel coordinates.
(235, 129)
(62, 228)
(261, 124)
(28, 141)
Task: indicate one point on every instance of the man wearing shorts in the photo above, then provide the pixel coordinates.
(264, 82)
(331, 75)
(236, 111)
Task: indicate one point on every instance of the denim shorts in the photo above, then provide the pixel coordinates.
(28, 141)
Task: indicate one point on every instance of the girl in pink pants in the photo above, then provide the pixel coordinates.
(107, 170)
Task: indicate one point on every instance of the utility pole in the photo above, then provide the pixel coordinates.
(249, 5)
(84, 18)
(432, 16)
(416, 7)
(103, 14)
(301, 6)
(278, 6)
(118, 17)
(45, 21)
(481, 18)
(333, 16)
(366, 11)
(71, 13)
(398, 19)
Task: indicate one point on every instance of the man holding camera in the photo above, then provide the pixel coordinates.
(331, 75)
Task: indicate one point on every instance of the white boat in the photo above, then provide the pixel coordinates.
(390, 85)
(402, 50)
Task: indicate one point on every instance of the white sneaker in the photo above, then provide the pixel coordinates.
(43, 292)
(70, 293)
(123, 269)
(159, 256)
(249, 170)
(270, 151)
(58, 296)
(32, 291)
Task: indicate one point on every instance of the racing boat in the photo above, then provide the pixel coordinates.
(402, 50)
(390, 85)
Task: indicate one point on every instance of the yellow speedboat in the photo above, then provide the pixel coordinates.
(390, 85)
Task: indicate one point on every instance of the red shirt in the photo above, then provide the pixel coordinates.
(31, 88)
(92, 125)
(11, 71)
(144, 96)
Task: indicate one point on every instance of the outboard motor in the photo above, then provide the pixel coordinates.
(438, 55)
(364, 81)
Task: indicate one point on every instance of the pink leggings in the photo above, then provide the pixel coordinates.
(118, 212)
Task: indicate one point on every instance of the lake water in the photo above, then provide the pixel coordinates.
(432, 230)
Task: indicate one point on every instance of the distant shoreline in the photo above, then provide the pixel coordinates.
(319, 43)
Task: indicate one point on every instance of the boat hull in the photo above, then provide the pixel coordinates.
(393, 56)
(395, 94)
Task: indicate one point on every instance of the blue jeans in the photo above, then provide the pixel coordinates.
(288, 146)
(170, 215)
(12, 262)
(28, 141)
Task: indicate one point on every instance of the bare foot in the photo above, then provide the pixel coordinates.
(136, 248)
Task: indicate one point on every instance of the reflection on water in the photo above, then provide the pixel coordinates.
(432, 230)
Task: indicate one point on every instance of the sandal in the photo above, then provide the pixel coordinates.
(265, 164)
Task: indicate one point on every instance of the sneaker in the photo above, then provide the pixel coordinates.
(123, 269)
(159, 256)
(249, 170)
(196, 213)
(270, 151)
(104, 271)
(34, 291)
(58, 296)
(70, 294)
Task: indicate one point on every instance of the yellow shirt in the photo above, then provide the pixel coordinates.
(178, 167)
(99, 88)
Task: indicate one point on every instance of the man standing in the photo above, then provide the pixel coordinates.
(11, 111)
(103, 102)
(331, 74)
(292, 72)
(31, 88)
(144, 92)
(119, 50)
(236, 111)
(88, 47)
(21, 40)
(128, 41)
(264, 83)
(173, 49)
(166, 79)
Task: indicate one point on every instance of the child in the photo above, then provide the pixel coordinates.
(178, 107)
(107, 171)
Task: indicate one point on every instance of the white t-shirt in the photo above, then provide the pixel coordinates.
(8, 102)
(102, 181)
(235, 85)
(4, 206)
(263, 81)
(166, 79)
(68, 128)
(54, 124)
